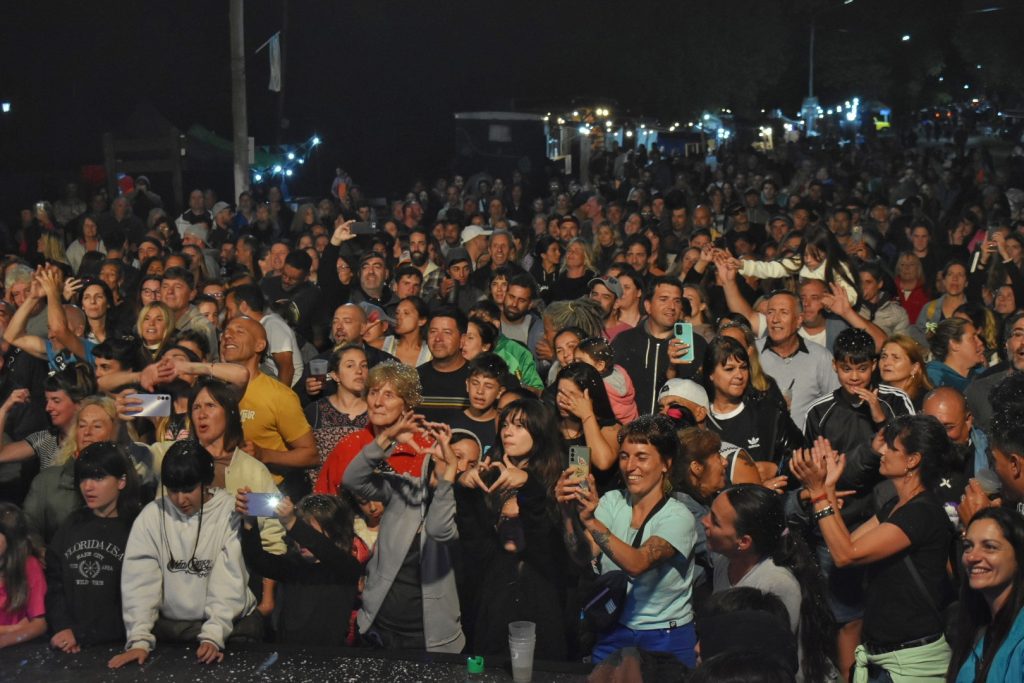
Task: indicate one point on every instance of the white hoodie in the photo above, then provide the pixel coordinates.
(210, 585)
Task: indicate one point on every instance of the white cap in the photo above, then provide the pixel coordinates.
(471, 232)
(686, 389)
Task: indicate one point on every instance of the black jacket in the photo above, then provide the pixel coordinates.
(317, 597)
(850, 429)
(645, 358)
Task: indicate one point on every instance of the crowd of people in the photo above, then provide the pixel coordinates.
(760, 414)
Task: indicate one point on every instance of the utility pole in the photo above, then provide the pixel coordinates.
(239, 115)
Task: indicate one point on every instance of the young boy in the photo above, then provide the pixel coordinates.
(597, 353)
(488, 375)
(849, 418)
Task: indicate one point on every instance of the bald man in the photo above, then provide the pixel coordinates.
(347, 327)
(970, 444)
(275, 428)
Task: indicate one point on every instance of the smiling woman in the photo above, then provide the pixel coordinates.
(991, 596)
(657, 558)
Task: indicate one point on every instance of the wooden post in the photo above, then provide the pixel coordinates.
(239, 117)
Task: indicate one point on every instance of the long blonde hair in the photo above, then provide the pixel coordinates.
(588, 258)
(69, 447)
(168, 320)
(53, 248)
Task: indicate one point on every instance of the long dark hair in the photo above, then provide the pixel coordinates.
(838, 266)
(108, 459)
(760, 515)
(227, 397)
(588, 379)
(333, 514)
(546, 458)
(13, 561)
(973, 614)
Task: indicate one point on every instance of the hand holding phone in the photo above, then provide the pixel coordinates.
(152, 405)
(579, 459)
(262, 504)
(684, 333)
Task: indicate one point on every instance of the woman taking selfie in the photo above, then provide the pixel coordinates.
(81, 613)
(990, 643)
(658, 614)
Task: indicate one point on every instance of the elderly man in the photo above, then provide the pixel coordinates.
(970, 444)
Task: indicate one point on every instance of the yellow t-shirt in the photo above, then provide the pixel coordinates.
(271, 414)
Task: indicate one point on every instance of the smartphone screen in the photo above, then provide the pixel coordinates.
(684, 333)
(263, 504)
(362, 228)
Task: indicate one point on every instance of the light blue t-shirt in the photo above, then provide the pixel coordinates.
(661, 596)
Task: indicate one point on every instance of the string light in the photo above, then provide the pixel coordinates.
(288, 159)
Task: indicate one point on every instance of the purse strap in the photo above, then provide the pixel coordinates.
(654, 511)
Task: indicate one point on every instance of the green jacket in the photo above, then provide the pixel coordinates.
(520, 362)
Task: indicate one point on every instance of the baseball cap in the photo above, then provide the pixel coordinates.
(609, 281)
(685, 389)
(218, 207)
(374, 313)
(197, 229)
(455, 255)
(471, 232)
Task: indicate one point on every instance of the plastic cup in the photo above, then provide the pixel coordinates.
(521, 651)
(522, 629)
(318, 368)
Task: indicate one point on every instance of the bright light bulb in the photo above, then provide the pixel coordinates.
(277, 169)
(905, 38)
(316, 140)
(257, 177)
(288, 173)
(629, 133)
(291, 156)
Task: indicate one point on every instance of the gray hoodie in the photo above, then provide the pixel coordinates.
(174, 570)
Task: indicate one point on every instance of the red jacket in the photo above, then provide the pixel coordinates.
(403, 459)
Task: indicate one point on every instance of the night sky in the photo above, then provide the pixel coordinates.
(380, 79)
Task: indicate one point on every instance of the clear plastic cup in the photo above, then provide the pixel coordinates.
(318, 368)
(522, 629)
(521, 651)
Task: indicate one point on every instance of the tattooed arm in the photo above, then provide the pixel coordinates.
(633, 561)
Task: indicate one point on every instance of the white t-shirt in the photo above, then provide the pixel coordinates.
(281, 339)
(661, 596)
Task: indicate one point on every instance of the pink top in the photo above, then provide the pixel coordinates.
(35, 605)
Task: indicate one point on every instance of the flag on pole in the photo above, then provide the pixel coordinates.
(275, 61)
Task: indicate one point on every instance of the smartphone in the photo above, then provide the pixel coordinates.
(153, 405)
(262, 504)
(684, 333)
(857, 234)
(362, 228)
(579, 458)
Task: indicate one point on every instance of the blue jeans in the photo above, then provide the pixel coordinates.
(678, 642)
